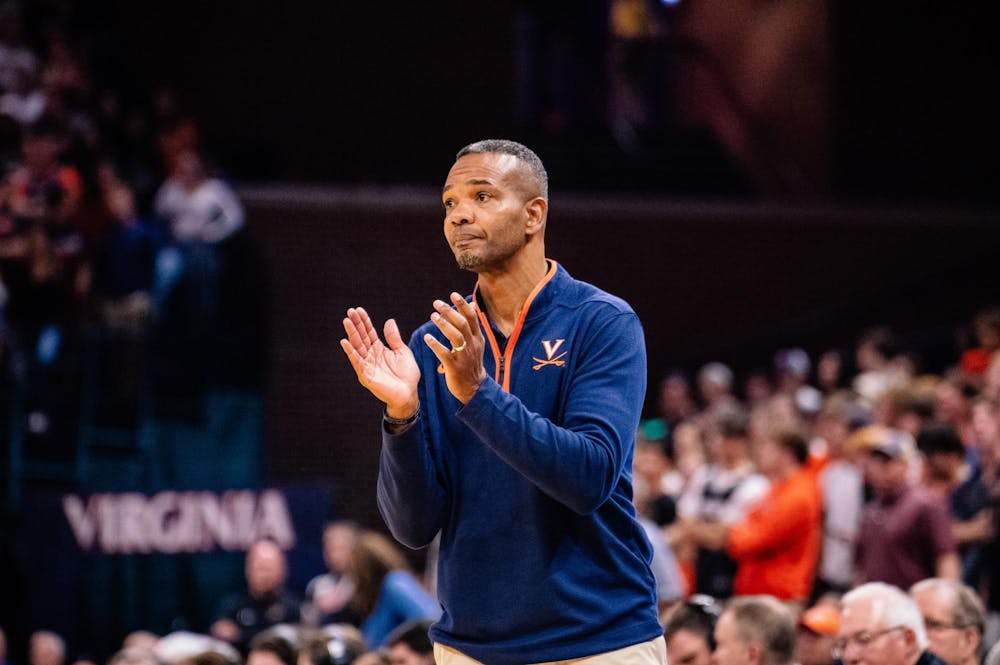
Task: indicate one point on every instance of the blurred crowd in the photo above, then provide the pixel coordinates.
(369, 607)
(119, 248)
(813, 515)
(806, 481)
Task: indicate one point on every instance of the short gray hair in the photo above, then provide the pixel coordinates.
(967, 608)
(519, 150)
(890, 606)
(764, 620)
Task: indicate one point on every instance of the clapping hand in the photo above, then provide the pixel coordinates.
(388, 372)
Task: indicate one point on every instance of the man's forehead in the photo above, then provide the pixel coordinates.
(858, 615)
(937, 597)
(483, 166)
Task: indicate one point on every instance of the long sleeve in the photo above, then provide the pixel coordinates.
(578, 463)
(411, 494)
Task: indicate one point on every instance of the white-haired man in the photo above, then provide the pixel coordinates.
(881, 625)
(954, 619)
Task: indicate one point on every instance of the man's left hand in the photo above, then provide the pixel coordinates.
(463, 362)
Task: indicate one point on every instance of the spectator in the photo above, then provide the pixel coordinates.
(409, 644)
(817, 631)
(952, 407)
(3, 647)
(669, 581)
(874, 353)
(715, 384)
(791, 369)
(373, 658)
(187, 648)
(674, 399)
(961, 486)
(954, 619)
(208, 342)
(134, 656)
(986, 424)
(842, 487)
(991, 382)
(905, 531)
(916, 406)
(975, 361)
(327, 648)
(722, 492)
(881, 625)
(42, 178)
(385, 594)
(757, 387)
(199, 208)
(688, 628)
(124, 260)
(46, 648)
(655, 480)
(273, 648)
(831, 372)
(266, 602)
(755, 630)
(327, 595)
(689, 448)
(777, 545)
(343, 642)
(140, 639)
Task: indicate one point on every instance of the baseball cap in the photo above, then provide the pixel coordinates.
(821, 619)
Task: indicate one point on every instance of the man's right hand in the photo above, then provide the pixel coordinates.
(388, 372)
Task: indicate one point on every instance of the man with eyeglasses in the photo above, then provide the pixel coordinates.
(881, 625)
(954, 618)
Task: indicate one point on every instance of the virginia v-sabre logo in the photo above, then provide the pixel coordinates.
(551, 349)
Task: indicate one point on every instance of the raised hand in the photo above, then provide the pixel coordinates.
(388, 372)
(463, 362)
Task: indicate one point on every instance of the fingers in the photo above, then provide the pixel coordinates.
(352, 355)
(459, 323)
(363, 323)
(442, 352)
(467, 310)
(360, 331)
(392, 336)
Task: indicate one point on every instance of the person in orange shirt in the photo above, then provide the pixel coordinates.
(776, 547)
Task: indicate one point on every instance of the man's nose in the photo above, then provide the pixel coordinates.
(459, 215)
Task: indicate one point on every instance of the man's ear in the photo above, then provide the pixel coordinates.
(754, 653)
(537, 210)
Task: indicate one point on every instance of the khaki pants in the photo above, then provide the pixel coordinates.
(653, 652)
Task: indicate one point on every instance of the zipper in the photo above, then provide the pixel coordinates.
(508, 353)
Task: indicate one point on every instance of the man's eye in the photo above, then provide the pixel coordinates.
(448, 203)
(482, 196)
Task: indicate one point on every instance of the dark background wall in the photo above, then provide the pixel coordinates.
(386, 92)
(346, 91)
